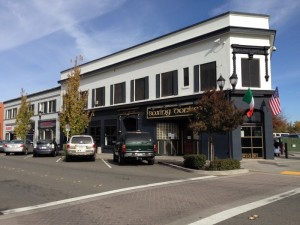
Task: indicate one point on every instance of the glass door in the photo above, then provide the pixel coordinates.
(252, 141)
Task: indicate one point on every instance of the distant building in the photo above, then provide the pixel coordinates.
(153, 85)
(45, 124)
(1, 119)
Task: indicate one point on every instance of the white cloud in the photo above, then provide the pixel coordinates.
(28, 20)
(281, 12)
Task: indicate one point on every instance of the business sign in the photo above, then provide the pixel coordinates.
(170, 111)
(47, 124)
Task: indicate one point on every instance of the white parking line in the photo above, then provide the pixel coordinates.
(29, 156)
(219, 217)
(70, 200)
(106, 163)
(59, 159)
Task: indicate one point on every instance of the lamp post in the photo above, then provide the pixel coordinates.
(221, 83)
(39, 125)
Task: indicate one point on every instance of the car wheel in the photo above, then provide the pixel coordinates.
(151, 162)
(93, 158)
(7, 153)
(115, 158)
(34, 155)
(121, 160)
(68, 158)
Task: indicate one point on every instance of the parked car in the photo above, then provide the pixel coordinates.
(45, 147)
(2, 142)
(135, 145)
(81, 146)
(18, 146)
(294, 136)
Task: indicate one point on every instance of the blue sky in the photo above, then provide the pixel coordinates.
(39, 38)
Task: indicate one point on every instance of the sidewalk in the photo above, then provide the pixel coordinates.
(247, 165)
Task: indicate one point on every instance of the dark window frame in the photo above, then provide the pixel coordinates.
(208, 76)
(98, 97)
(169, 83)
(250, 69)
(186, 77)
(119, 93)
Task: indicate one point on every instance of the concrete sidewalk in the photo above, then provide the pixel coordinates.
(247, 165)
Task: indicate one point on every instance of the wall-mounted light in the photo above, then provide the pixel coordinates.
(221, 82)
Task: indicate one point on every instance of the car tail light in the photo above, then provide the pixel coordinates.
(94, 146)
(22, 145)
(68, 146)
(5, 145)
(123, 148)
(154, 148)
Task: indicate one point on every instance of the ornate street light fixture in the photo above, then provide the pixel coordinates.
(221, 82)
(233, 80)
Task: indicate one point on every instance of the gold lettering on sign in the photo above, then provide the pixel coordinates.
(170, 111)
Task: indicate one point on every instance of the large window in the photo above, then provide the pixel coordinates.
(250, 73)
(31, 108)
(252, 141)
(119, 93)
(98, 97)
(110, 129)
(95, 131)
(42, 107)
(11, 113)
(169, 83)
(52, 106)
(141, 89)
(165, 131)
(208, 76)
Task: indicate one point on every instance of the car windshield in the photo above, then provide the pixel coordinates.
(81, 140)
(138, 137)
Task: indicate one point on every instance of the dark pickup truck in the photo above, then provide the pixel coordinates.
(135, 145)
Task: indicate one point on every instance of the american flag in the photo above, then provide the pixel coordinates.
(274, 103)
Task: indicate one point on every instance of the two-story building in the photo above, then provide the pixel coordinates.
(153, 86)
(44, 122)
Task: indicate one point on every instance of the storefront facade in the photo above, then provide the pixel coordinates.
(44, 122)
(154, 85)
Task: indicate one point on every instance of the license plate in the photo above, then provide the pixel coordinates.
(139, 154)
(80, 149)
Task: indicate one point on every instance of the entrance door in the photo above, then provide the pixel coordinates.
(188, 141)
(252, 141)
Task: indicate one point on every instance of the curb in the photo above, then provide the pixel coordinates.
(207, 172)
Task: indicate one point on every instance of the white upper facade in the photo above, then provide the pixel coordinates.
(192, 59)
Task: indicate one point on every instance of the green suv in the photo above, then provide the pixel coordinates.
(135, 145)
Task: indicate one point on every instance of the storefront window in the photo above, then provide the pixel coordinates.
(110, 129)
(167, 131)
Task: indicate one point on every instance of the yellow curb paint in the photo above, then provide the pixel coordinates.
(290, 173)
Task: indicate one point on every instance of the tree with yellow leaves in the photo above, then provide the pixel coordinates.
(74, 116)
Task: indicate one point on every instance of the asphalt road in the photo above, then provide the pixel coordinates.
(102, 192)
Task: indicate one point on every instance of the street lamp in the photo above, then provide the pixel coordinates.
(221, 82)
(233, 80)
(39, 126)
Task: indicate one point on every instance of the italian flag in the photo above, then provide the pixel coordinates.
(248, 98)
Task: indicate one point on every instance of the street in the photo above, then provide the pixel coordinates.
(102, 192)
